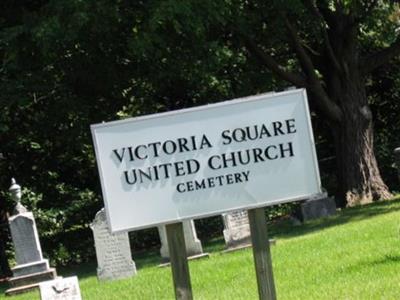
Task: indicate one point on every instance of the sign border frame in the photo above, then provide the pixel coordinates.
(235, 101)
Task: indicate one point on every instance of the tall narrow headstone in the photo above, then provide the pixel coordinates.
(31, 267)
(193, 244)
(236, 229)
(114, 259)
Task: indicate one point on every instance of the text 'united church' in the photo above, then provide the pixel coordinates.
(228, 160)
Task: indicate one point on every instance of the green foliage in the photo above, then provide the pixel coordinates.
(69, 64)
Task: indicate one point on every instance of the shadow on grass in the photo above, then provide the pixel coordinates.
(285, 229)
(147, 259)
(82, 270)
(385, 260)
(85, 270)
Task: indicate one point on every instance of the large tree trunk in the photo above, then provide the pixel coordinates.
(359, 179)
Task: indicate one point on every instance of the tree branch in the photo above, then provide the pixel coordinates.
(375, 60)
(324, 103)
(272, 65)
(310, 5)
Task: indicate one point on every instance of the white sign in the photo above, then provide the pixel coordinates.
(204, 161)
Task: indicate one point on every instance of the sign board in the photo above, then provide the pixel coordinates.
(204, 161)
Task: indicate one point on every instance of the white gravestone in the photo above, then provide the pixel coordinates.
(193, 244)
(28, 253)
(114, 260)
(236, 229)
(31, 267)
(60, 289)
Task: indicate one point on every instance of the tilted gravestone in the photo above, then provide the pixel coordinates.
(114, 259)
(320, 205)
(31, 267)
(236, 229)
(194, 248)
(60, 289)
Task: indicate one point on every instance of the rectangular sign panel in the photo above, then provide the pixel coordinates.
(198, 162)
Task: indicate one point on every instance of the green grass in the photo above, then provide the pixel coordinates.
(353, 255)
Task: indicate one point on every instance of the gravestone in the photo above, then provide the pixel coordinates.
(114, 259)
(31, 267)
(236, 229)
(317, 207)
(194, 248)
(60, 289)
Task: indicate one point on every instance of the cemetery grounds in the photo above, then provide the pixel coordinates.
(352, 255)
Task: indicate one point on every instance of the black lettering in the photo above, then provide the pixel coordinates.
(267, 154)
(165, 167)
(242, 136)
(144, 174)
(190, 186)
(277, 128)
(201, 185)
(155, 146)
(205, 142)
(225, 135)
(172, 149)
(182, 145)
(193, 166)
(238, 177)
(220, 179)
(210, 162)
(290, 149)
(193, 138)
(264, 131)
(137, 154)
(130, 153)
(231, 159)
(229, 178)
(180, 188)
(291, 126)
(257, 155)
(255, 131)
(246, 175)
(247, 160)
(179, 168)
(128, 181)
(155, 169)
(119, 156)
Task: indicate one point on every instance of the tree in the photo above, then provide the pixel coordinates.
(336, 44)
(69, 64)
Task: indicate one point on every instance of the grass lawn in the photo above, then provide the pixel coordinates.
(353, 255)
